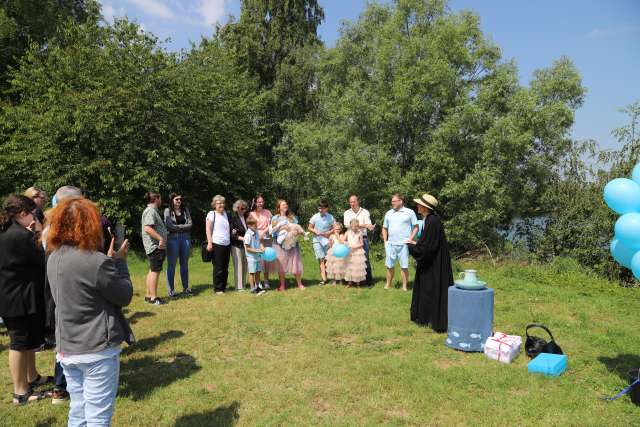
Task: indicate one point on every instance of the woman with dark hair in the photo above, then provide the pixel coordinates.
(89, 289)
(177, 219)
(288, 260)
(154, 239)
(22, 273)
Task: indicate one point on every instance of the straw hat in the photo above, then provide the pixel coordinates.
(428, 201)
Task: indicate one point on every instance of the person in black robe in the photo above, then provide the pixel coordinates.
(433, 271)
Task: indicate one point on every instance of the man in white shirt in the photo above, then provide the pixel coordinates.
(362, 215)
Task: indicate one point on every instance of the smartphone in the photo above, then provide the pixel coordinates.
(120, 235)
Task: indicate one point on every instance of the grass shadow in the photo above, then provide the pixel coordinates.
(621, 364)
(223, 416)
(139, 377)
(201, 287)
(139, 315)
(46, 423)
(150, 343)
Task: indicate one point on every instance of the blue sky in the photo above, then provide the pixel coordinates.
(602, 38)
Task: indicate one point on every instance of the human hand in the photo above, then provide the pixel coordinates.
(209, 247)
(370, 227)
(122, 252)
(409, 242)
(162, 244)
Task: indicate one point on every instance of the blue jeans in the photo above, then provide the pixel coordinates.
(92, 388)
(178, 248)
(59, 379)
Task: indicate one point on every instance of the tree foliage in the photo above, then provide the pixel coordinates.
(412, 98)
(106, 109)
(423, 89)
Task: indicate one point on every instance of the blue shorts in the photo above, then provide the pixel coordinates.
(320, 251)
(396, 253)
(254, 265)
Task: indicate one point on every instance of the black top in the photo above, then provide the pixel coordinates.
(237, 225)
(180, 219)
(22, 271)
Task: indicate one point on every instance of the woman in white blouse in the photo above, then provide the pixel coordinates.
(219, 242)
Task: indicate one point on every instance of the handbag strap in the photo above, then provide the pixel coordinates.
(538, 325)
(624, 391)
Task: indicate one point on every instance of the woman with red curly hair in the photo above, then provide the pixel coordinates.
(89, 289)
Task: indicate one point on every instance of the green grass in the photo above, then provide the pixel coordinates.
(336, 356)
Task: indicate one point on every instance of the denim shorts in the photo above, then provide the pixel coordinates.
(395, 253)
(319, 250)
(254, 265)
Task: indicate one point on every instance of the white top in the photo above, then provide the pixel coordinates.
(75, 359)
(362, 216)
(220, 234)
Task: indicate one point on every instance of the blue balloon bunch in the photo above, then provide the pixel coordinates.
(622, 195)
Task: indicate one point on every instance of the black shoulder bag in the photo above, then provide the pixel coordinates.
(536, 345)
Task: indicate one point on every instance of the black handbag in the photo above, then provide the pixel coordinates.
(536, 345)
(206, 255)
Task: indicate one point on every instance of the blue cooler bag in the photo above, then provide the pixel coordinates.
(548, 364)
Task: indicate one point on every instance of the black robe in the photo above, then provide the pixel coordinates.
(433, 276)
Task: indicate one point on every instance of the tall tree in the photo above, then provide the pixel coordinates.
(277, 41)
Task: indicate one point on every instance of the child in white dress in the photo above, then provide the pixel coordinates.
(335, 266)
(355, 265)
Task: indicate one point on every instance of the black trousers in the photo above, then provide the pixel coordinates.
(369, 279)
(220, 261)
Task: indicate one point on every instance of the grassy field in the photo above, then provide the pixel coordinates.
(337, 356)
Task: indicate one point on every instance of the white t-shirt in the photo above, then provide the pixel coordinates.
(220, 234)
(362, 216)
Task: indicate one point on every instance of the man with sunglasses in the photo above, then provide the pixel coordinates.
(321, 225)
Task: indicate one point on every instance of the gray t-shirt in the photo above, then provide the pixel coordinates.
(151, 217)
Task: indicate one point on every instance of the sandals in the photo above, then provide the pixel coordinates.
(40, 380)
(28, 397)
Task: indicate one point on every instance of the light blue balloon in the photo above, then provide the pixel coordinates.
(622, 195)
(420, 228)
(621, 253)
(635, 265)
(340, 250)
(635, 174)
(627, 229)
(269, 254)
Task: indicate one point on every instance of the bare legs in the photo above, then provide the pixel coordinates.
(22, 365)
(152, 284)
(404, 273)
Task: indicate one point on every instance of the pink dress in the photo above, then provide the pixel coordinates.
(335, 266)
(356, 262)
(287, 261)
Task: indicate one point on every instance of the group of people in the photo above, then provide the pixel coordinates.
(65, 269)
(58, 275)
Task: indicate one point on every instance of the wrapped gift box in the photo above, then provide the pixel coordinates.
(502, 347)
(548, 364)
